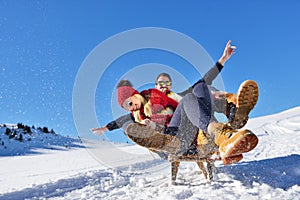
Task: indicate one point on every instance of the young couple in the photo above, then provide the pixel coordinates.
(184, 123)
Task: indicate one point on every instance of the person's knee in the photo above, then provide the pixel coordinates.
(201, 91)
(211, 128)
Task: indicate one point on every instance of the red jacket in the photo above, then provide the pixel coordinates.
(158, 101)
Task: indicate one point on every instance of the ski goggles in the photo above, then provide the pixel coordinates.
(161, 83)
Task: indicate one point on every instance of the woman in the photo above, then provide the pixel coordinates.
(150, 107)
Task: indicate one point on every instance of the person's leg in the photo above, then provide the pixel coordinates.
(237, 106)
(148, 137)
(186, 132)
(203, 106)
(188, 107)
(176, 118)
(246, 99)
(223, 102)
(232, 142)
(180, 124)
(192, 114)
(195, 107)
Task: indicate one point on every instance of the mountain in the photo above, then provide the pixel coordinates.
(120, 171)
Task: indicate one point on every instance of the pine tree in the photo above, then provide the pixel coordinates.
(45, 129)
(27, 130)
(13, 134)
(8, 131)
(20, 138)
(20, 126)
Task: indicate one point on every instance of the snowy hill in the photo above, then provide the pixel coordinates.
(111, 171)
(19, 139)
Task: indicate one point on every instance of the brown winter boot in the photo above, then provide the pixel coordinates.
(243, 103)
(232, 142)
(205, 144)
(232, 159)
(147, 137)
(230, 98)
(201, 138)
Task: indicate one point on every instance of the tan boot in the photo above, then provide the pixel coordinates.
(230, 98)
(201, 138)
(244, 101)
(232, 142)
(232, 159)
(147, 137)
(205, 144)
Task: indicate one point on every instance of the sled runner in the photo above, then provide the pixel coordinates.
(207, 171)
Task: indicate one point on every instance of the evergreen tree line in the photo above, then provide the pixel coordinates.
(12, 133)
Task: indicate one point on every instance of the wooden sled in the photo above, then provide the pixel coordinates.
(207, 171)
(140, 134)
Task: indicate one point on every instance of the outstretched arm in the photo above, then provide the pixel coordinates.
(116, 124)
(99, 131)
(213, 72)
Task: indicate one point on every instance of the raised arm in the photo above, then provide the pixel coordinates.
(215, 70)
(228, 52)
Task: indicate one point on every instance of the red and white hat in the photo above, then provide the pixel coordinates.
(124, 92)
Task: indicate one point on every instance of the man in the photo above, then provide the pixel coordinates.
(194, 115)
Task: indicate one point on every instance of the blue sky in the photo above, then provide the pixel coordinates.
(44, 43)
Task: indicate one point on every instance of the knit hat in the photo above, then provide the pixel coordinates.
(124, 92)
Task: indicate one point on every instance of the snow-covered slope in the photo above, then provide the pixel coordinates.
(112, 171)
(29, 140)
(279, 134)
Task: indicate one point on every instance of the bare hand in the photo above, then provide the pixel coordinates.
(150, 123)
(147, 122)
(99, 131)
(218, 95)
(228, 52)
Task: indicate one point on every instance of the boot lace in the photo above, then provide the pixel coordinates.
(227, 130)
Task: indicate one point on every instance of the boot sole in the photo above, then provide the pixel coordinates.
(232, 159)
(141, 134)
(242, 142)
(147, 137)
(247, 97)
(139, 131)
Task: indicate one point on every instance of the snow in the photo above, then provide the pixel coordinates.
(59, 167)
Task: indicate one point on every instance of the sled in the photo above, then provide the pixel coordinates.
(154, 141)
(200, 160)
